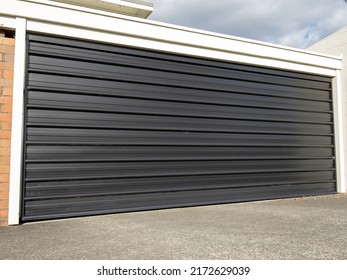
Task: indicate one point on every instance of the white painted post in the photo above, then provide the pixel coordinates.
(17, 123)
(338, 122)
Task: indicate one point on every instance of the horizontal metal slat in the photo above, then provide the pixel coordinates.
(48, 189)
(129, 74)
(150, 153)
(52, 42)
(66, 171)
(43, 209)
(164, 108)
(47, 82)
(124, 59)
(128, 137)
(201, 97)
(39, 97)
(51, 118)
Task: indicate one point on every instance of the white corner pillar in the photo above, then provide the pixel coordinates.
(17, 123)
(339, 135)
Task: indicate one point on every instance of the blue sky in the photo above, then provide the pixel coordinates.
(293, 23)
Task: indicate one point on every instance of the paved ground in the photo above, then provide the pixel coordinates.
(310, 228)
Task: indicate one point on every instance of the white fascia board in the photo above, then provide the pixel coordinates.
(103, 7)
(175, 37)
(7, 22)
(116, 3)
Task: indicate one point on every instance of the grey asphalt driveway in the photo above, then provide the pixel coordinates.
(309, 228)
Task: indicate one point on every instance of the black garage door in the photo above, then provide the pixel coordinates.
(113, 129)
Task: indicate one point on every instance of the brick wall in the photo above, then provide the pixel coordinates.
(6, 89)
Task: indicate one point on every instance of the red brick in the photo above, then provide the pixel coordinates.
(4, 211)
(4, 208)
(5, 152)
(4, 169)
(9, 41)
(7, 57)
(6, 99)
(7, 117)
(6, 108)
(6, 126)
(4, 200)
(6, 135)
(7, 74)
(6, 48)
(4, 204)
(7, 91)
(4, 196)
(4, 178)
(3, 222)
(7, 65)
(4, 187)
(6, 82)
(5, 143)
(5, 160)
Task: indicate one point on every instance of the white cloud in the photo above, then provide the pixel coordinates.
(295, 23)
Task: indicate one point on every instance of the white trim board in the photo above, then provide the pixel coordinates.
(7, 22)
(17, 124)
(338, 133)
(103, 7)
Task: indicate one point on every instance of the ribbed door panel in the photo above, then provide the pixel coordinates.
(112, 129)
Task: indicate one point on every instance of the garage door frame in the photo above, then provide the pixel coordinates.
(292, 109)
